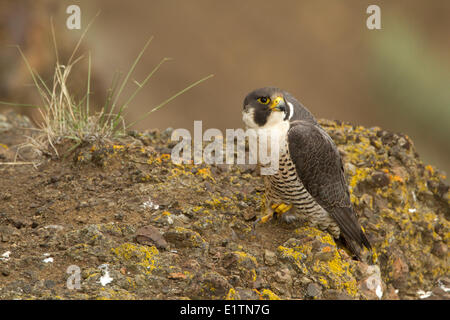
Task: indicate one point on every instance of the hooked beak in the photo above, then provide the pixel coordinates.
(278, 104)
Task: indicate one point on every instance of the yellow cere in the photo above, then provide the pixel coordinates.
(276, 102)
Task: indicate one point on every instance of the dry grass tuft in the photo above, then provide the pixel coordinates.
(68, 118)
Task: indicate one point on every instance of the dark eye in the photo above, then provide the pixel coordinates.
(263, 100)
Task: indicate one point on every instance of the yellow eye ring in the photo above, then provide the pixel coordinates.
(263, 100)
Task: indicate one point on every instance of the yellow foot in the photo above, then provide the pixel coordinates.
(263, 219)
(277, 210)
(281, 208)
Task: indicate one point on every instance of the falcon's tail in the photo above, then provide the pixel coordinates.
(351, 231)
(352, 247)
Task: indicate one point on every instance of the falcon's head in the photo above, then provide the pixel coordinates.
(270, 106)
(266, 107)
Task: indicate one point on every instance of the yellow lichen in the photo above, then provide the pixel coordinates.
(144, 256)
(242, 256)
(232, 295)
(339, 272)
(267, 294)
(118, 147)
(205, 173)
(360, 175)
(294, 256)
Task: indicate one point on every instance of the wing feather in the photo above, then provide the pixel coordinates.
(319, 167)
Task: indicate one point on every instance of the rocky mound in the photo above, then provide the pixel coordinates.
(119, 220)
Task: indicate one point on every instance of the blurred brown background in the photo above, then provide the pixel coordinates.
(397, 78)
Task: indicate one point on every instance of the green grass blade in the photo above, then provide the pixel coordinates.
(41, 92)
(141, 85)
(81, 38)
(170, 99)
(105, 115)
(118, 117)
(112, 89)
(129, 73)
(19, 104)
(55, 46)
(43, 84)
(88, 86)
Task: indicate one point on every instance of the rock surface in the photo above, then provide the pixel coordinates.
(121, 221)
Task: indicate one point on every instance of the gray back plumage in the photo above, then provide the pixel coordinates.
(319, 167)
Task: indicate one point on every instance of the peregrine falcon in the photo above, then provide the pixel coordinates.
(310, 181)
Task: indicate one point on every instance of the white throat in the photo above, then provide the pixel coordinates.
(275, 128)
(277, 132)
